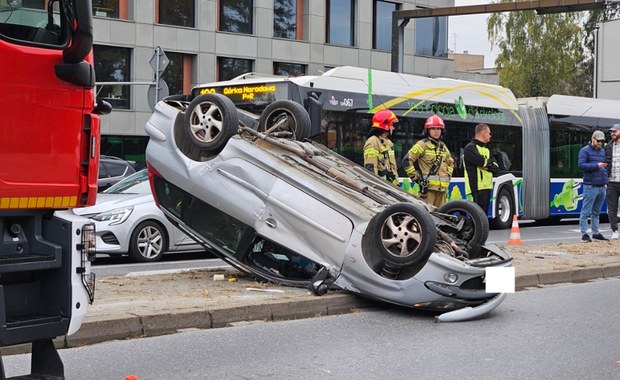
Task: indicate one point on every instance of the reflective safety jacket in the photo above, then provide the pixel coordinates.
(479, 167)
(420, 160)
(379, 157)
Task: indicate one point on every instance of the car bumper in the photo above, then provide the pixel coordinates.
(469, 312)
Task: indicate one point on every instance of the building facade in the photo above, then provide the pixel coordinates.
(210, 40)
(606, 65)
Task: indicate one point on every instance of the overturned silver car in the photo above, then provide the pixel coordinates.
(271, 203)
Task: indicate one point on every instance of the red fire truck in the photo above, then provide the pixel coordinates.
(49, 158)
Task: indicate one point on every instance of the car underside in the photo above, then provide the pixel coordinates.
(271, 202)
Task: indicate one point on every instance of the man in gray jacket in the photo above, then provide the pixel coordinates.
(612, 157)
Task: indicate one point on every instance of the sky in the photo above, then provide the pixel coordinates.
(470, 33)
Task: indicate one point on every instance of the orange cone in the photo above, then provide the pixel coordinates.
(515, 235)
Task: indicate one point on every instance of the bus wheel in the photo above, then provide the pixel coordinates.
(404, 234)
(285, 116)
(210, 121)
(504, 210)
(475, 229)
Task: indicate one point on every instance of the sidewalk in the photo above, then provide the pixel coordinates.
(151, 305)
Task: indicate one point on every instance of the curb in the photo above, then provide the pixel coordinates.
(170, 323)
(334, 303)
(574, 275)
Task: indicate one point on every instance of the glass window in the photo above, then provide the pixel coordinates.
(285, 19)
(29, 21)
(176, 12)
(566, 140)
(105, 8)
(383, 24)
(431, 36)
(230, 68)
(218, 228)
(112, 64)
(289, 69)
(340, 22)
(130, 148)
(35, 4)
(173, 76)
(236, 16)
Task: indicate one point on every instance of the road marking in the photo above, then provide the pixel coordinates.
(171, 271)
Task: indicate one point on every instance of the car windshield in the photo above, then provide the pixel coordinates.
(137, 183)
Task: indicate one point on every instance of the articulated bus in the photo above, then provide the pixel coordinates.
(535, 141)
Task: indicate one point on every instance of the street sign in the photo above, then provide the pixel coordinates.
(156, 93)
(159, 61)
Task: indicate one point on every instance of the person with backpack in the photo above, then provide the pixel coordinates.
(430, 163)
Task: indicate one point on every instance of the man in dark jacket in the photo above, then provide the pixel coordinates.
(612, 157)
(592, 162)
(479, 167)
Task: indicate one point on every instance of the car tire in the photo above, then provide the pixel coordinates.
(404, 234)
(504, 210)
(209, 122)
(293, 117)
(476, 228)
(148, 242)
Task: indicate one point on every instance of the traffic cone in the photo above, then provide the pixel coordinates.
(131, 377)
(515, 235)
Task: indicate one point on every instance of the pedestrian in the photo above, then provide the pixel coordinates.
(592, 162)
(612, 158)
(430, 164)
(379, 156)
(479, 167)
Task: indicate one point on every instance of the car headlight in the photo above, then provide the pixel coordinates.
(114, 217)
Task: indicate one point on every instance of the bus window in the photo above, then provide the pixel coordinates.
(565, 145)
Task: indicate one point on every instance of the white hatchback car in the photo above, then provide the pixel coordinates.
(128, 222)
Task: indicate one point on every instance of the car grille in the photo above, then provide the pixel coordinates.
(109, 238)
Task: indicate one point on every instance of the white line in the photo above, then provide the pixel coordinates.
(171, 271)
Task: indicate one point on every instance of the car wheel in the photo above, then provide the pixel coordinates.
(504, 210)
(405, 234)
(148, 242)
(285, 115)
(210, 121)
(475, 229)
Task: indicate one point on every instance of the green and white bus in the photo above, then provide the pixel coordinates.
(534, 140)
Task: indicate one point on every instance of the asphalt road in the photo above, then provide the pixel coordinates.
(563, 332)
(532, 232)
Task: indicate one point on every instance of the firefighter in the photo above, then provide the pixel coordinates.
(379, 155)
(430, 164)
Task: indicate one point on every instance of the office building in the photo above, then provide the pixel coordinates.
(209, 40)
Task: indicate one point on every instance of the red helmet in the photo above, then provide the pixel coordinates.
(434, 122)
(384, 119)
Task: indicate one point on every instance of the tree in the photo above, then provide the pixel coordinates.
(539, 54)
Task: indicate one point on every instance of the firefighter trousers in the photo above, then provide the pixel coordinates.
(436, 198)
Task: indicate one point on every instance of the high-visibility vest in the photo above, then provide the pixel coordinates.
(484, 178)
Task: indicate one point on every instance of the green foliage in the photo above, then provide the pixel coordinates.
(539, 55)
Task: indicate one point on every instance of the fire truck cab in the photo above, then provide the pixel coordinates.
(49, 160)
